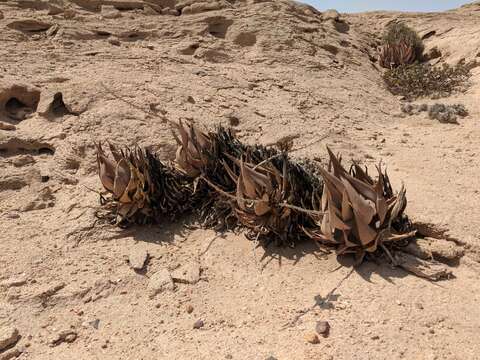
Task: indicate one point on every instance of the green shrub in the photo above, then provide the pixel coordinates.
(418, 80)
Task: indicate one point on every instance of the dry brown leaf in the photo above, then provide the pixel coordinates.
(363, 209)
(122, 178)
(262, 207)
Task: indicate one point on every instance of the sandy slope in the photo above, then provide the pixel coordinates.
(280, 69)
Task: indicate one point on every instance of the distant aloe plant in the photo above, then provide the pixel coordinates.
(401, 46)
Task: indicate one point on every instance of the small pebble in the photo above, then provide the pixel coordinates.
(323, 328)
(198, 324)
(189, 308)
(137, 258)
(114, 42)
(312, 338)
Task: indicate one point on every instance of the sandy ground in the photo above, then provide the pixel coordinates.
(273, 69)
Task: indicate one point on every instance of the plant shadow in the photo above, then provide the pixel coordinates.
(174, 233)
(161, 233)
(366, 269)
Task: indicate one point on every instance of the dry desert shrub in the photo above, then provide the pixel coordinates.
(260, 189)
(422, 80)
(441, 112)
(229, 184)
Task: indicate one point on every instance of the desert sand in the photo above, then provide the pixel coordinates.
(270, 69)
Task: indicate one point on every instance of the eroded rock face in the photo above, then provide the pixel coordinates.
(8, 337)
(17, 101)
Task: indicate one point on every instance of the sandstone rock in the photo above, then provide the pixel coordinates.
(114, 42)
(187, 274)
(29, 25)
(92, 323)
(8, 337)
(137, 258)
(53, 30)
(199, 7)
(110, 12)
(50, 290)
(149, 10)
(62, 101)
(11, 215)
(312, 338)
(331, 14)
(18, 101)
(14, 281)
(10, 354)
(430, 248)
(164, 3)
(6, 126)
(54, 10)
(168, 11)
(67, 336)
(159, 282)
(69, 14)
(187, 48)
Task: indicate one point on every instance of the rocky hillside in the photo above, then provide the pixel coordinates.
(79, 71)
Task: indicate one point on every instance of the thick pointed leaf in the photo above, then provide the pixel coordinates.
(365, 233)
(324, 203)
(366, 190)
(338, 169)
(363, 209)
(334, 185)
(106, 171)
(325, 226)
(262, 207)
(248, 183)
(399, 206)
(361, 175)
(240, 194)
(347, 212)
(115, 152)
(122, 178)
